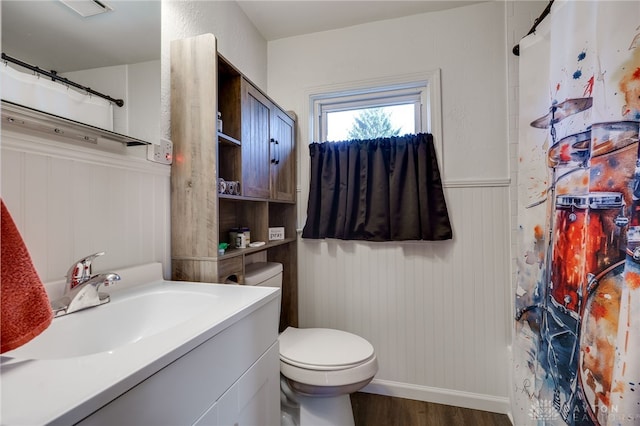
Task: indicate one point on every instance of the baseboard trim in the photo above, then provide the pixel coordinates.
(471, 400)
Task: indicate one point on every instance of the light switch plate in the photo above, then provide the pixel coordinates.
(161, 153)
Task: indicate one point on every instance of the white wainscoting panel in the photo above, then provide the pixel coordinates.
(437, 313)
(69, 201)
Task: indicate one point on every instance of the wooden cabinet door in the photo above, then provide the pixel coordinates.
(256, 134)
(283, 158)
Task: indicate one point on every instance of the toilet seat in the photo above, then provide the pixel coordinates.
(326, 358)
(323, 349)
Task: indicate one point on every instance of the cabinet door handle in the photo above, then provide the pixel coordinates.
(276, 157)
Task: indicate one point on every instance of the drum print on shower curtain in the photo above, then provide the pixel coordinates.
(576, 346)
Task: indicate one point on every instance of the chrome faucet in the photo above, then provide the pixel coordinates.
(81, 289)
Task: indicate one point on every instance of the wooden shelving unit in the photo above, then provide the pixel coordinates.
(256, 148)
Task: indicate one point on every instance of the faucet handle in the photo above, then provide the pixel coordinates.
(110, 278)
(80, 271)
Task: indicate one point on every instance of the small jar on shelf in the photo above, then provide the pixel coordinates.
(240, 237)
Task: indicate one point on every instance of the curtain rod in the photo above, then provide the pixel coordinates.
(545, 12)
(54, 76)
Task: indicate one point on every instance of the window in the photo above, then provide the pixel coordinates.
(370, 122)
(395, 106)
(354, 193)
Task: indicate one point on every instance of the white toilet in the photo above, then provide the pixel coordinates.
(319, 367)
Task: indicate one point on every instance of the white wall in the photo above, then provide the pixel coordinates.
(467, 44)
(238, 41)
(143, 94)
(69, 201)
(438, 314)
(139, 86)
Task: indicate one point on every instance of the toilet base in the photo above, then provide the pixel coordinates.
(303, 410)
(330, 411)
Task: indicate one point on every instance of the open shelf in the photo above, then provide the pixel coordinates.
(230, 100)
(243, 198)
(283, 215)
(237, 197)
(249, 250)
(226, 139)
(250, 214)
(229, 162)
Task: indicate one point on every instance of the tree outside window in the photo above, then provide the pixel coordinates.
(373, 123)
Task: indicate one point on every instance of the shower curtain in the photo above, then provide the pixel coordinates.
(41, 93)
(576, 344)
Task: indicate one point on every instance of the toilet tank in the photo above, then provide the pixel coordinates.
(266, 274)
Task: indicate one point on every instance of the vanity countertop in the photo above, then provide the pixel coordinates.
(64, 390)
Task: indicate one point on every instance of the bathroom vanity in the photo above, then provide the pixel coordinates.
(186, 354)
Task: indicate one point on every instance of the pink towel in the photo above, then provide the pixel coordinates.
(25, 308)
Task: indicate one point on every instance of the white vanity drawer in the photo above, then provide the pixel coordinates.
(254, 399)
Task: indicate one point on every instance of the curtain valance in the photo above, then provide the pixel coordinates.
(386, 189)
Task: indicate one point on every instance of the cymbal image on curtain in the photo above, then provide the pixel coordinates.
(559, 112)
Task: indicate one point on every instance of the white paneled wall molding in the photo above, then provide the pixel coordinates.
(70, 200)
(107, 155)
(476, 183)
(437, 313)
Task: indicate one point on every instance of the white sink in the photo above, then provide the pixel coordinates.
(127, 319)
(88, 358)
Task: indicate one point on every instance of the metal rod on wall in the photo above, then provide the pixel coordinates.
(55, 77)
(545, 12)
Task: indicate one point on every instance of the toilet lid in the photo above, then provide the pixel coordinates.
(323, 348)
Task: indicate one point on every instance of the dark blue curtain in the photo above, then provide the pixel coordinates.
(386, 189)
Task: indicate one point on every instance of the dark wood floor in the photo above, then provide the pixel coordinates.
(380, 410)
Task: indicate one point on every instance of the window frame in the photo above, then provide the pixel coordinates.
(368, 100)
(423, 87)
